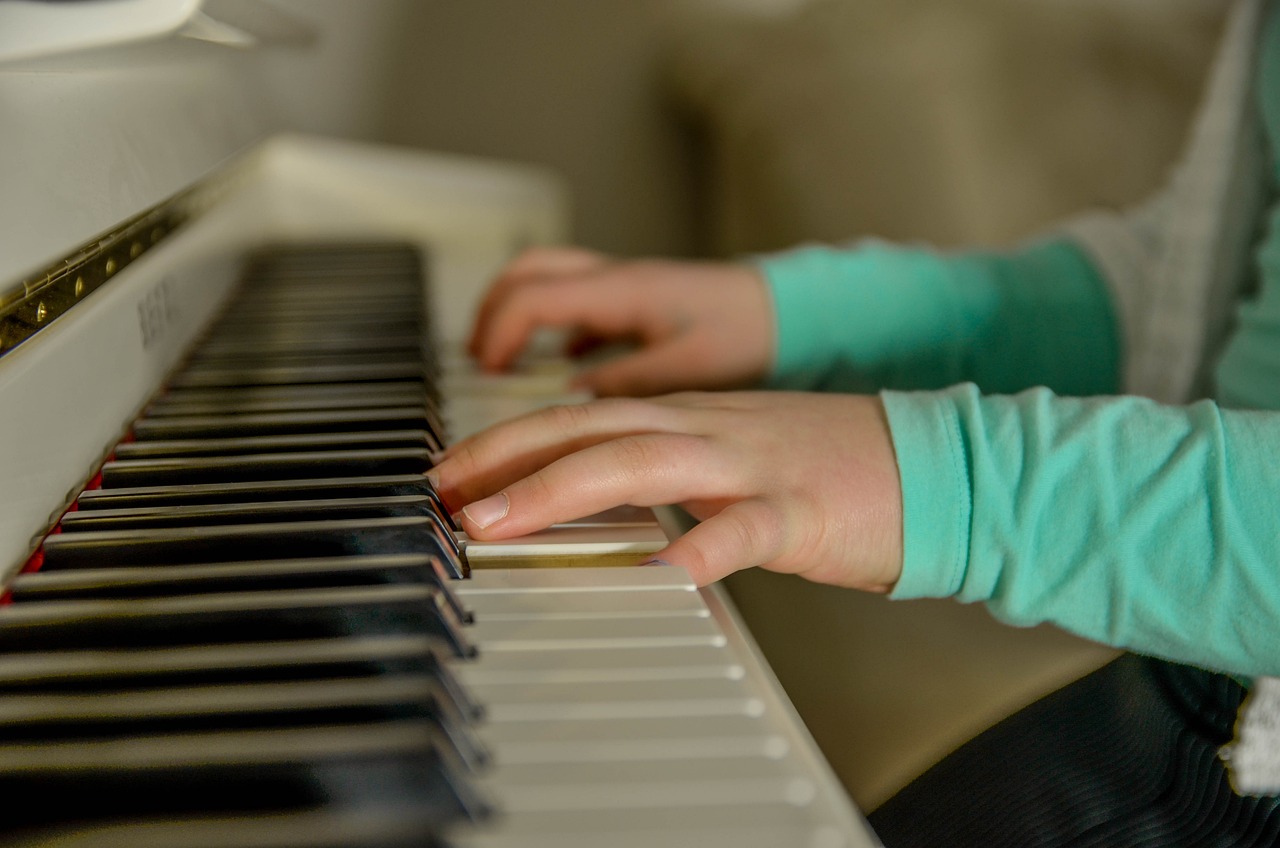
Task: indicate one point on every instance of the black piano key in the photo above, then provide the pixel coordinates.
(280, 423)
(267, 466)
(273, 344)
(260, 491)
(221, 402)
(94, 670)
(50, 717)
(232, 617)
(374, 827)
(234, 772)
(240, 514)
(44, 718)
(244, 445)
(237, 543)
(268, 376)
(187, 579)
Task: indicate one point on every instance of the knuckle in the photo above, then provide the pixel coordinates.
(758, 528)
(570, 418)
(636, 456)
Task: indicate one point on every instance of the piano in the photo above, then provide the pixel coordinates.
(235, 613)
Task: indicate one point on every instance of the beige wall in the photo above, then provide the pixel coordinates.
(572, 84)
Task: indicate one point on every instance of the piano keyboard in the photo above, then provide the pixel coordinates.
(259, 627)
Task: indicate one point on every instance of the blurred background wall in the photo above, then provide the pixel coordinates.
(718, 127)
(722, 126)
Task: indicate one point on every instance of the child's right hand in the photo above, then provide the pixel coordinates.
(698, 325)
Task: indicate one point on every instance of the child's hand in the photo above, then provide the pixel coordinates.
(796, 483)
(698, 325)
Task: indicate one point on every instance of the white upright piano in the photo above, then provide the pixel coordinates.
(234, 615)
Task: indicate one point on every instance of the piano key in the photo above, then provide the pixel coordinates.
(158, 581)
(657, 792)
(232, 617)
(374, 826)
(258, 491)
(202, 515)
(245, 445)
(604, 665)
(557, 634)
(616, 700)
(648, 737)
(359, 394)
(587, 605)
(266, 466)
(269, 344)
(568, 545)
(281, 423)
(44, 718)
(235, 771)
(243, 401)
(234, 543)
(89, 671)
(649, 578)
(267, 375)
(510, 833)
(307, 359)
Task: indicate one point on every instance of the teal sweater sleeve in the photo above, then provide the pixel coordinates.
(1143, 526)
(879, 316)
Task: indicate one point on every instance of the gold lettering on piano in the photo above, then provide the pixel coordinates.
(156, 312)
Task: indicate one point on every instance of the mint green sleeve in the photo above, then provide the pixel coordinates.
(1143, 526)
(880, 316)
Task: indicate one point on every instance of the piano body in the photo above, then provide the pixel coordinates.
(217, 644)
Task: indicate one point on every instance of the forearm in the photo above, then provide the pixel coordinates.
(1139, 525)
(886, 317)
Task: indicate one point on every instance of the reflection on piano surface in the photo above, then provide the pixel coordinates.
(257, 625)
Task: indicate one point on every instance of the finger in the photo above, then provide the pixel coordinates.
(554, 259)
(742, 535)
(530, 265)
(668, 366)
(487, 461)
(583, 343)
(641, 470)
(603, 304)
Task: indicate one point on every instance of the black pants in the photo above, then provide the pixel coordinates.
(1126, 756)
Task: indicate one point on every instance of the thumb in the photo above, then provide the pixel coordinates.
(742, 535)
(658, 369)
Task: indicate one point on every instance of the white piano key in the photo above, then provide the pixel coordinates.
(751, 746)
(671, 819)
(567, 540)
(524, 580)
(559, 634)
(666, 791)
(618, 515)
(495, 606)
(611, 691)
(601, 665)
(686, 730)
(659, 707)
(768, 836)
(618, 774)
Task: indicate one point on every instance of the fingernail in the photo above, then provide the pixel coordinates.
(485, 512)
(656, 562)
(433, 478)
